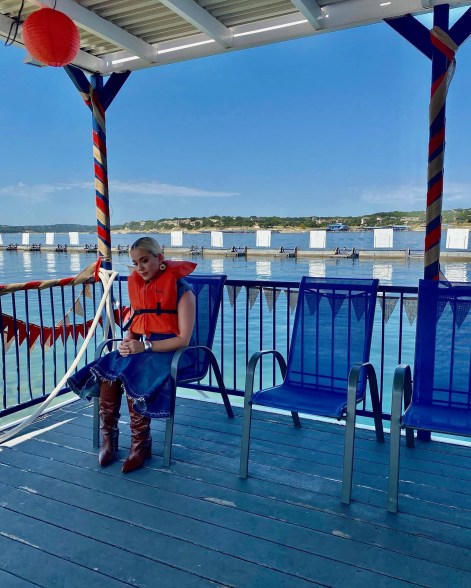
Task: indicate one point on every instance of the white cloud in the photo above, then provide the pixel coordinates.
(159, 189)
(410, 196)
(36, 193)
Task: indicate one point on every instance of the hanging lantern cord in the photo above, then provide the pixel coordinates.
(15, 24)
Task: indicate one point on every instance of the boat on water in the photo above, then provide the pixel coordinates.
(338, 227)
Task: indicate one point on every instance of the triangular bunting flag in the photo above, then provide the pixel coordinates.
(441, 305)
(79, 330)
(34, 332)
(387, 305)
(22, 331)
(461, 311)
(410, 306)
(253, 295)
(7, 341)
(78, 307)
(88, 290)
(293, 299)
(271, 296)
(46, 338)
(311, 300)
(336, 302)
(233, 292)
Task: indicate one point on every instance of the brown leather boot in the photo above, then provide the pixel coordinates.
(141, 442)
(110, 402)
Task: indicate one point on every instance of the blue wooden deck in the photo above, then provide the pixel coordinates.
(66, 522)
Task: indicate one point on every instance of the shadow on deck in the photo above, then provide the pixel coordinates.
(67, 522)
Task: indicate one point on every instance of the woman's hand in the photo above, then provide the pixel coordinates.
(130, 347)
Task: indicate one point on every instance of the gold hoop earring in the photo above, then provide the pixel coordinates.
(162, 267)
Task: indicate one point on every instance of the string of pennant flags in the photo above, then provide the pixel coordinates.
(387, 303)
(15, 329)
(21, 331)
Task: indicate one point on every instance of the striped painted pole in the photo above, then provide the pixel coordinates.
(100, 165)
(84, 276)
(443, 68)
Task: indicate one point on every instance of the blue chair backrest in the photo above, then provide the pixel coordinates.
(208, 290)
(442, 366)
(332, 330)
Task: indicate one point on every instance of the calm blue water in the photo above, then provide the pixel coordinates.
(25, 266)
(17, 266)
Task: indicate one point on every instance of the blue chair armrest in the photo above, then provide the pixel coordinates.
(251, 366)
(101, 347)
(216, 370)
(352, 401)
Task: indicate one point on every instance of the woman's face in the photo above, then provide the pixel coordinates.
(147, 265)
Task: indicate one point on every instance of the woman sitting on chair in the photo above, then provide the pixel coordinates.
(163, 307)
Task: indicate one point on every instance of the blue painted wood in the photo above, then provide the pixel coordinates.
(461, 30)
(282, 527)
(112, 87)
(413, 31)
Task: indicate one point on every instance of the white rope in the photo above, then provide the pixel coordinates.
(107, 279)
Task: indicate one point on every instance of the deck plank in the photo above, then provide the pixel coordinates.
(283, 526)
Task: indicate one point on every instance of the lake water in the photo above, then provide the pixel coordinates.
(17, 266)
(40, 370)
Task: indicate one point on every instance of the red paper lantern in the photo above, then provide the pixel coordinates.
(51, 37)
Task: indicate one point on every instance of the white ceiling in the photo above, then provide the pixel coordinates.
(122, 35)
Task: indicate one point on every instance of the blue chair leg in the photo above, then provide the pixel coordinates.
(401, 379)
(296, 420)
(349, 443)
(245, 445)
(168, 440)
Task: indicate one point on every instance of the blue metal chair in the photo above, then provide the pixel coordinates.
(328, 367)
(439, 399)
(208, 290)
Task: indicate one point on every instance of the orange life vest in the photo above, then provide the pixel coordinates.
(155, 303)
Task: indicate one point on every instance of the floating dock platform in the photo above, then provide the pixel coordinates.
(257, 252)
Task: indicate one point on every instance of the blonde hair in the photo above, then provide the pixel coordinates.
(148, 244)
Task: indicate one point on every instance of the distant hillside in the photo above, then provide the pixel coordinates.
(47, 228)
(458, 216)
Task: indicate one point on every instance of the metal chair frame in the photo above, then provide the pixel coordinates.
(212, 363)
(349, 414)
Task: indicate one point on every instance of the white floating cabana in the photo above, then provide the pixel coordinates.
(216, 239)
(317, 239)
(25, 239)
(74, 238)
(263, 239)
(383, 238)
(457, 239)
(49, 238)
(176, 238)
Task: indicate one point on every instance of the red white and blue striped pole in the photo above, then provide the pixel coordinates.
(100, 166)
(443, 68)
(98, 97)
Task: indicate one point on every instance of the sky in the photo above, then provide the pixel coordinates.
(334, 124)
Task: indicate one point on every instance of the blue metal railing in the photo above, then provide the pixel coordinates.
(42, 332)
